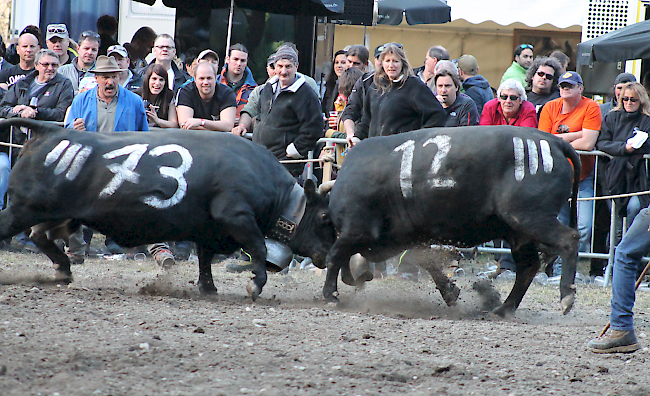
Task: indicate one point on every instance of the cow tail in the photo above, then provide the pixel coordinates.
(571, 154)
(37, 127)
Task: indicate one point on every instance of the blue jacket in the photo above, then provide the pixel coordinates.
(129, 114)
(478, 88)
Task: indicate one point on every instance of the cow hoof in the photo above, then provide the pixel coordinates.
(450, 294)
(207, 289)
(567, 303)
(503, 312)
(253, 290)
(332, 298)
(63, 278)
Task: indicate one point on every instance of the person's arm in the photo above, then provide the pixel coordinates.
(226, 120)
(354, 108)
(245, 123)
(171, 122)
(65, 100)
(587, 137)
(362, 129)
(467, 114)
(545, 124)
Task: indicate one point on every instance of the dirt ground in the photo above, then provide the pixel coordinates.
(129, 328)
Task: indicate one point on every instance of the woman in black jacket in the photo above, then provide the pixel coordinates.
(397, 101)
(626, 171)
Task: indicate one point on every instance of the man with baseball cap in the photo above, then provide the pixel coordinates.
(58, 40)
(474, 84)
(577, 120)
(125, 78)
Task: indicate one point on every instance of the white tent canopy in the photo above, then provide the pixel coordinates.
(533, 13)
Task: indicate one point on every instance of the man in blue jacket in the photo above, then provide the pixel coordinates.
(108, 107)
(474, 84)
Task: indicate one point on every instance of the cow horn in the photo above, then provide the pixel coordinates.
(326, 187)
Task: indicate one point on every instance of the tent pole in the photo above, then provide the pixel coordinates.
(232, 10)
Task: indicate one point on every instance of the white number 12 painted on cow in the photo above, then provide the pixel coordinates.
(406, 166)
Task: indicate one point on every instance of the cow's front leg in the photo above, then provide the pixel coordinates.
(336, 258)
(206, 283)
(527, 263)
(255, 285)
(60, 260)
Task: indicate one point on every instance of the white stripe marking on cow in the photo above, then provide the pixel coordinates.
(124, 171)
(67, 158)
(533, 157)
(547, 158)
(54, 155)
(520, 157)
(406, 167)
(78, 163)
(169, 172)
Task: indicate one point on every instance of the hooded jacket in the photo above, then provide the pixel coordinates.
(478, 88)
(517, 72)
(243, 90)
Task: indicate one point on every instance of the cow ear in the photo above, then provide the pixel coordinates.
(310, 190)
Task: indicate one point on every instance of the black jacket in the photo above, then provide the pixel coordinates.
(293, 117)
(403, 108)
(180, 76)
(53, 99)
(354, 108)
(462, 112)
(625, 173)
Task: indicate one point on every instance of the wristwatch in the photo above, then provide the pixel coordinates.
(202, 122)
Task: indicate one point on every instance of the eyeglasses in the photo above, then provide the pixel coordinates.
(90, 33)
(512, 97)
(626, 99)
(164, 47)
(567, 86)
(524, 46)
(46, 65)
(545, 75)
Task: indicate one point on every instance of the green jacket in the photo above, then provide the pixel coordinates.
(517, 72)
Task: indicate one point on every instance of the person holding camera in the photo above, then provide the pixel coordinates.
(158, 98)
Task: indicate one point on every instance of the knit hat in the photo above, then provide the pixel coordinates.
(468, 64)
(286, 52)
(624, 78)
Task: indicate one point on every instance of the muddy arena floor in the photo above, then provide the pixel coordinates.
(127, 327)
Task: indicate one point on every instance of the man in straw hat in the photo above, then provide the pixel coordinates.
(102, 109)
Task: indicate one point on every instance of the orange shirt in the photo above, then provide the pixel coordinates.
(585, 116)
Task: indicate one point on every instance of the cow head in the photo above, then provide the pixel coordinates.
(315, 234)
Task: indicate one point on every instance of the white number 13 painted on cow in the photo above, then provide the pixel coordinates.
(406, 166)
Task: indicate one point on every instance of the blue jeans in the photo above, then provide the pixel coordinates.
(585, 212)
(628, 255)
(5, 166)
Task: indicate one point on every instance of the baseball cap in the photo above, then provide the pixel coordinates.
(570, 77)
(206, 52)
(57, 30)
(381, 48)
(118, 49)
(624, 78)
(468, 64)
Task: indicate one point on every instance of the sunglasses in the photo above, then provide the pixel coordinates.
(626, 99)
(512, 97)
(57, 29)
(90, 33)
(524, 46)
(383, 47)
(46, 65)
(545, 75)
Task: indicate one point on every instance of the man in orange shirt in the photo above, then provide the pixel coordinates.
(575, 119)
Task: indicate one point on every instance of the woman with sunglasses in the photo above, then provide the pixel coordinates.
(510, 107)
(158, 98)
(626, 171)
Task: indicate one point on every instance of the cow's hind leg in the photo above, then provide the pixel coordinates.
(447, 287)
(43, 236)
(527, 263)
(205, 254)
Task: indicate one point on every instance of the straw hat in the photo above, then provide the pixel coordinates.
(106, 64)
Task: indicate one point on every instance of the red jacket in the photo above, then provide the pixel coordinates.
(493, 115)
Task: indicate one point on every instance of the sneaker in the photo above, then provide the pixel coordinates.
(164, 258)
(75, 259)
(616, 341)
